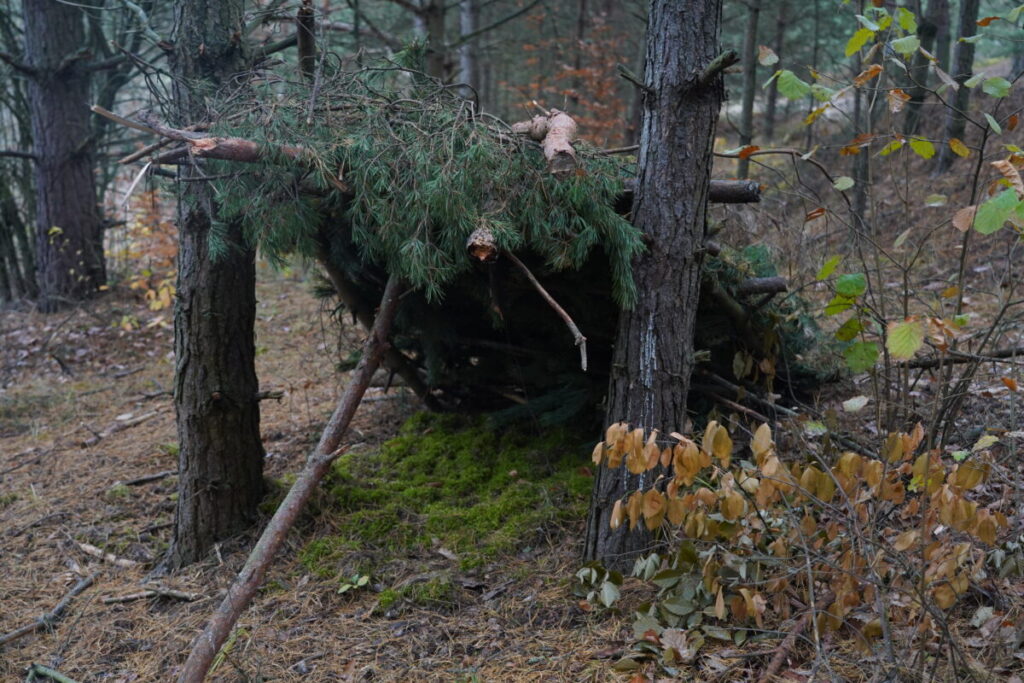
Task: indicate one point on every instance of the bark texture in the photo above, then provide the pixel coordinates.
(654, 349)
(69, 228)
(221, 457)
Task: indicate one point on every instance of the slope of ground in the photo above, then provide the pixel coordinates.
(84, 413)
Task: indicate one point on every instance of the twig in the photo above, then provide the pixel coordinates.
(786, 645)
(736, 406)
(40, 670)
(92, 550)
(581, 341)
(117, 427)
(265, 395)
(148, 478)
(48, 619)
(241, 593)
(717, 66)
(154, 592)
(625, 72)
(959, 358)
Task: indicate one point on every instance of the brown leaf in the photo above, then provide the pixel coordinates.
(1012, 174)
(897, 98)
(867, 74)
(817, 213)
(747, 151)
(964, 218)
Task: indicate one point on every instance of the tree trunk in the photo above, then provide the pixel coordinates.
(942, 36)
(433, 21)
(918, 74)
(749, 84)
(220, 462)
(468, 66)
(654, 349)
(773, 93)
(69, 231)
(963, 67)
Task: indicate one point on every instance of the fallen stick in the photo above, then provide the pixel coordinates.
(959, 358)
(48, 619)
(115, 428)
(241, 592)
(93, 551)
(787, 645)
(52, 674)
(581, 341)
(148, 478)
(154, 592)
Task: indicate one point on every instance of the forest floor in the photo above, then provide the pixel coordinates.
(84, 411)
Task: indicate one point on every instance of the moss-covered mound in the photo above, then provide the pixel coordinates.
(454, 483)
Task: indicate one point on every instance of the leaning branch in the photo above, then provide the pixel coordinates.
(581, 341)
(241, 592)
(48, 619)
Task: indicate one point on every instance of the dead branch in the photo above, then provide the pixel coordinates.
(960, 358)
(269, 395)
(717, 66)
(241, 592)
(786, 646)
(48, 619)
(555, 132)
(39, 670)
(581, 341)
(106, 557)
(117, 427)
(152, 592)
(719, 192)
(148, 478)
(763, 285)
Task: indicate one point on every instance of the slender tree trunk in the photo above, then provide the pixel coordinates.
(433, 20)
(581, 34)
(14, 248)
(749, 84)
(809, 140)
(653, 356)
(469, 69)
(963, 67)
(773, 93)
(918, 74)
(69, 228)
(220, 462)
(942, 33)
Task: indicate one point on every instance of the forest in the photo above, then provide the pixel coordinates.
(511, 340)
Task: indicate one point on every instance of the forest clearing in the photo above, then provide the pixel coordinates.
(334, 348)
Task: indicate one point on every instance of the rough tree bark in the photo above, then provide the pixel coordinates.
(653, 357)
(69, 228)
(749, 84)
(963, 69)
(221, 457)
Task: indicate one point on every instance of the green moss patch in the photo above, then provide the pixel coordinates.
(452, 482)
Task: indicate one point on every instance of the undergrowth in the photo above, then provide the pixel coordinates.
(452, 483)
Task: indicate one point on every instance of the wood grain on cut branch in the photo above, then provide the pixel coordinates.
(48, 619)
(555, 132)
(481, 246)
(248, 581)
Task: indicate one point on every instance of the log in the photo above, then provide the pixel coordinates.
(762, 285)
(720, 192)
(248, 581)
(555, 132)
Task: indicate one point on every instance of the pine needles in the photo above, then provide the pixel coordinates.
(423, 169)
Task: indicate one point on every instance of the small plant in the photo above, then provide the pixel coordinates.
(354, 583)
(597, 586)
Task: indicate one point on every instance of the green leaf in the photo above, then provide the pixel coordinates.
(890, 148)
(791, 87)
(935, 200)
(855, 404)
(838, 304)
(858, 40)
(867, 23)
(821, 93)
(828, 268)
(996, 128)
(971, 39)
(609, 593)
(995, 212)
(1014, 14)
(843, 183)
(904, 339)
(996, 87)
(924, 148)
(861, 356)
(851, 284)
(974, 80)
(849, 330)
(906, 19)
(906, 46)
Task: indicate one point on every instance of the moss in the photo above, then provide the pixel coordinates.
(387, 598)
(7, 499)
(450, 481)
